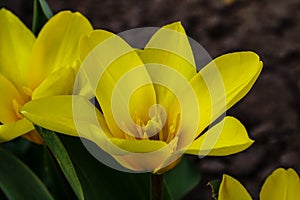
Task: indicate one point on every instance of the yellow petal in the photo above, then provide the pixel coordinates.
(88, 42)
(59, 82)
(119, 79)
(135, 155)
(66, 114)
(141, 162)
(169, 48)
(223, 82)
(82, 86)
(57, 45)
(281, 185)
(138, 146)
(74, 115)
(16, 42)
(231, 189)
(9, 101)
(227, 137)
(15, 129)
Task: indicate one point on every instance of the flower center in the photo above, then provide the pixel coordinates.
(156, 127)
(173, 128)
(153, 128)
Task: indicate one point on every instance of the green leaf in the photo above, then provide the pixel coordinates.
(63, 159)
(17, 181)
(181, 180)
(215, 184)
(41, 14)
(42, 162)
(102, 182)
(18, 146)
(46, 9)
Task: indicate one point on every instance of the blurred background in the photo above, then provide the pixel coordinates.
(270, 111)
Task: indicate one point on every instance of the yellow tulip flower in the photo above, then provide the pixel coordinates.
(280, 185)
(154, 104)
(32, 68)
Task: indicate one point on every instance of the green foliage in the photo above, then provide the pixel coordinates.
(45, 166)
(41, 14)
(215, 184)
(63, 159)
(181, 180)
(101, 182)
(97, 180)
(17, 181)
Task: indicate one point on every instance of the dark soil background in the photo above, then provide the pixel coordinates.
(270, 111)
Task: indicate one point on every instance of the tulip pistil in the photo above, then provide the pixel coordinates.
(152, 130)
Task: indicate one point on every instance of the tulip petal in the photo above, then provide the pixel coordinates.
(223, 82)
(16, 42)
(231, 189)
(227, 137)
(136, 155)
(10, 98)
(57, 113)
(86, 44)
(281, 185)
(119, 79)
(144, 162)
(169, 46)
(170, 49)
(138, 146)
(71, 115)
(57, 45)
(15, 129)
(59, 82)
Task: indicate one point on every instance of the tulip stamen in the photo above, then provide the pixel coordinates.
(28, 91)
(173, 128)
(140, 129)
(152, 129)
(126, 132)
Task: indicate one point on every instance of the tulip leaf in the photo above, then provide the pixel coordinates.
(41, 14)
(19, 146)
(102, 182)
(42, 162)
(215, 185)
(181, 180)
(58, 150)
(17, 181)
(46, 9)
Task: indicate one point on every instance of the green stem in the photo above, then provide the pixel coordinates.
(157, 186)
(35, 25)
(41, 14)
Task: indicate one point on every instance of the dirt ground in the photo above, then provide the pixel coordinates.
(271, 28)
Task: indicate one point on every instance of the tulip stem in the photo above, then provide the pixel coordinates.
(157, 186)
